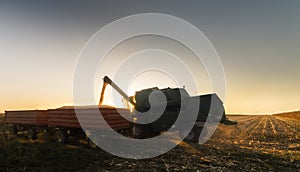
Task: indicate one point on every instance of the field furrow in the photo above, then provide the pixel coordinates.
(258, 128)
(273, 126)
(289, 123)
(264, 130)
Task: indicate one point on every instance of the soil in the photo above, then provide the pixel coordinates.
(257, 143)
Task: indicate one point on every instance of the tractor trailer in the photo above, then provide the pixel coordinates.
(63, 122)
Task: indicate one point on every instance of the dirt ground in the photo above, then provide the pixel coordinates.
(257, 143)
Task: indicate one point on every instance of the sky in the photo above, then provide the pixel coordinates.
(257, 41)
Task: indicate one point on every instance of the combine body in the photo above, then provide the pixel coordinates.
(179, 101)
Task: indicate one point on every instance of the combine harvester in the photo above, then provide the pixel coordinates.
(175, 98)
(62, 122)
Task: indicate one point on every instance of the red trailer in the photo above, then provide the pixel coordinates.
(63, 122)
(28, 117)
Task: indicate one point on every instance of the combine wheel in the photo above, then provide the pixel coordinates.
(190, 136)
(60, 136)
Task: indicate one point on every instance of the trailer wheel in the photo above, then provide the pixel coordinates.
(135, 131)
(60, 136)
(93, 140)
(140, 131)
(32, 134)
(14, 130)
(92, 143)
(190, 136)
(100, 137)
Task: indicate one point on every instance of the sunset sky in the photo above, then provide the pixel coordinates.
(258, 43)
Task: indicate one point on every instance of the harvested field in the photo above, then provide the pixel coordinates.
(257, 143)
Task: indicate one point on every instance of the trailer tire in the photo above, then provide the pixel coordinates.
(60, 136)
(14, 130)
(92, 144)
(93, 140)
(190, 136)
(32, 134)
(141, 131)
(101, 138)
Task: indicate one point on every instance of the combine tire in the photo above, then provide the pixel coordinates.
(190, 136)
